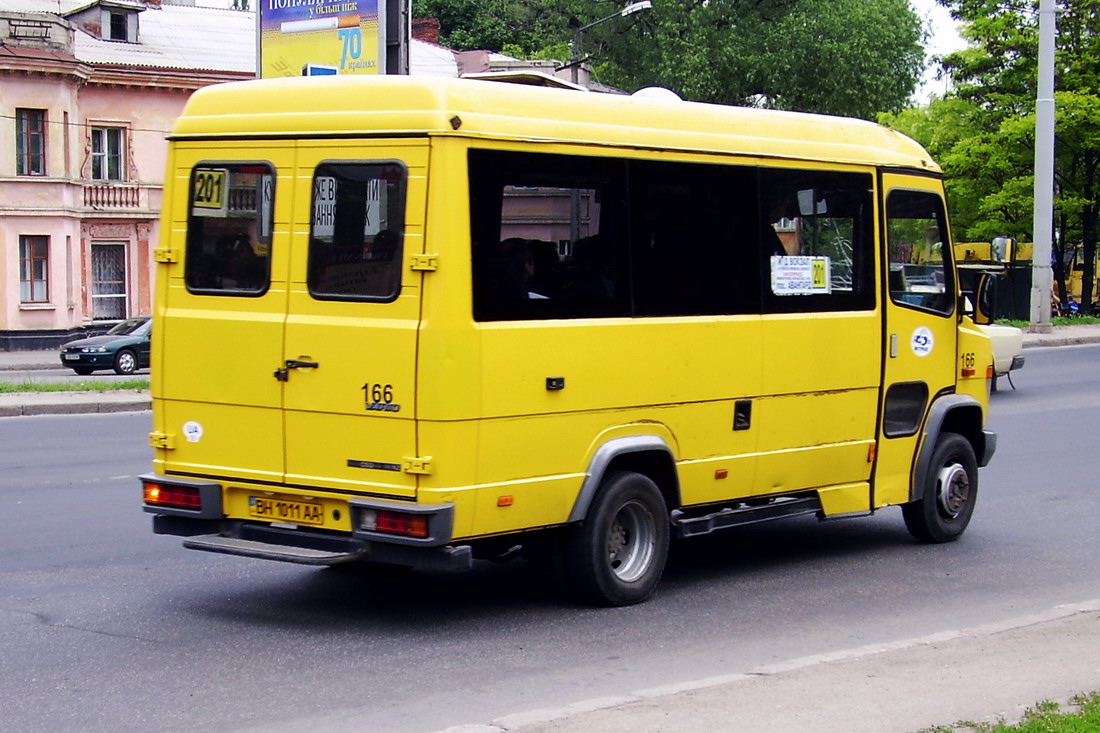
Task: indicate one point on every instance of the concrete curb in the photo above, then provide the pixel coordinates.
(1045, 340)
(30, 410)
(559, 717)
(26, 404)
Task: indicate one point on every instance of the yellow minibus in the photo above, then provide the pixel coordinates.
(418, 321)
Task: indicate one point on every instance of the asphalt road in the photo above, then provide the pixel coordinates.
(105, 627)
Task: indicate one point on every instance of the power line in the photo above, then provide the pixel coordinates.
(89, 125)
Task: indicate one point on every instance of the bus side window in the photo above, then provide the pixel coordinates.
(920, 273)
(547, 236)
(816, 242)
(694, 245)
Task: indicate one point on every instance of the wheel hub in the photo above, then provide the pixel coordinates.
(630, 542)
(953, 490)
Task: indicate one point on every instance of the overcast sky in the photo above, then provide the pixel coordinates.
(944, 39)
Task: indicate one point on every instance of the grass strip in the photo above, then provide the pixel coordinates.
(1054, 321)
(1045, 717)
(74, 386)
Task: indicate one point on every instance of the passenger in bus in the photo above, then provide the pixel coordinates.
(382, 271)
(510, 270)
(241, 268)
(545, 261)
(383, 248)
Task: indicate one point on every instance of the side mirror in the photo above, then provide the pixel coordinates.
(985, 298)
(1003, 249)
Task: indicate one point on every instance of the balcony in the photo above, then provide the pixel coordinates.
(107, 196)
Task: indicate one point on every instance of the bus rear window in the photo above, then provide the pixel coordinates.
(229, 229)
(356, 231)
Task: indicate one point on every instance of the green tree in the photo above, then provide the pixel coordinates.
(849, 57)
(991, 163)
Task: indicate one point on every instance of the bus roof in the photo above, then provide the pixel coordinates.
(402, 105)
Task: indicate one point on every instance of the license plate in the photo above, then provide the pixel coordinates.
(72, 357)
(275, 509)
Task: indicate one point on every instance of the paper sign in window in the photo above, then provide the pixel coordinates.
(800, 275)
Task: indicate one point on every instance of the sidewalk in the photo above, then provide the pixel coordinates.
(980, 674)
(61, 403)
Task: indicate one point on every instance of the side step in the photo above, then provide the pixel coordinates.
(267, 550)
(689, 526)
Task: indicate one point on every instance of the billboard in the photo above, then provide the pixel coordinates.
(298, 34)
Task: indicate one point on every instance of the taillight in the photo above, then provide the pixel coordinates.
(176, 497)
(380, 520)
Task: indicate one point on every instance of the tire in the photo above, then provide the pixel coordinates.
(126, 362)
(947, 499)
(83, 371)
(616, 556)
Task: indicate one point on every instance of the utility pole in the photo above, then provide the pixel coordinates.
(1043, 222)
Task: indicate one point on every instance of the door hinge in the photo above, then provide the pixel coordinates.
(164, 441)
(417, 465)
(425, 263)
(165, 254)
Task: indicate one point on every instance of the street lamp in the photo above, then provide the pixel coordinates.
(574, 65)
(575, 56)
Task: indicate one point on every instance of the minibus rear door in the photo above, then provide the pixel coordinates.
(348, 366)
(222, 298)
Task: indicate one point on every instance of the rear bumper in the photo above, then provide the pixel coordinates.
(207, 528)
(250, 539)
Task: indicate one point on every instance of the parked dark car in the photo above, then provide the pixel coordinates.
(125, 348)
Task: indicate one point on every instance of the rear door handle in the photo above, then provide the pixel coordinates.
(283, 374)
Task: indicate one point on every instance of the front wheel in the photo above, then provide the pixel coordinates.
(617, 555)
(943, 511)
(126, 362)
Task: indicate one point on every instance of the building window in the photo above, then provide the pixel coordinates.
(107, 153)
(34, 269)
(108, 281)
(119, 25)
(30, 142)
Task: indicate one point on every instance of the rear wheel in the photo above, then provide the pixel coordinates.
(617, 555)
(126, 362)
(947, 498)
